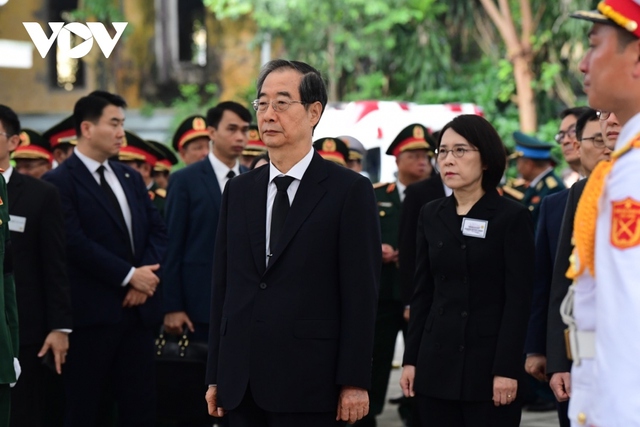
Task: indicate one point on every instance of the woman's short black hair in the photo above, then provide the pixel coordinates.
(483, 136)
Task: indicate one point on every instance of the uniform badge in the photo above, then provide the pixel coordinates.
(198, 124)
(418, 132)
(24, 139)
(329, 145)
(625, 223)
(535, 199)
(254, 135)
(551, 182)
(1, 202)
(391, 187)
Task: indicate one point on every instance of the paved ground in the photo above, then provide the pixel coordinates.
(389, 418)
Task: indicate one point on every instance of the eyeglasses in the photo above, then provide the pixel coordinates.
(603, 115)
(5, 134)
(457, 152)
(278, 106)
(571, 133)
(597, 141)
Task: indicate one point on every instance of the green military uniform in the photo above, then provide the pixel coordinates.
(158, 197)
(332, 149)
(514, 189)
(9, 323)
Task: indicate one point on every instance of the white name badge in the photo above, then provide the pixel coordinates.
(474, 227)
(17, 223)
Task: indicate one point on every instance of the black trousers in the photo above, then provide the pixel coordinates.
(121, 355)
(435, 412)
(249, 414)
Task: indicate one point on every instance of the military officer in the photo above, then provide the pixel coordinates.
(142, 156)
(535, 165)
(33, 156)
(332, 149)
(191, 140)
(166, 160)
(607, 230)
(62, 137)
(412, 153)
(357, 153)
(255, 147)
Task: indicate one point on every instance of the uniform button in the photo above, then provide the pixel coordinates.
(461, 348)
(440, 244)
(464, 314)
(463, 246)
(582, 418)
(263, 286)
(382, 213)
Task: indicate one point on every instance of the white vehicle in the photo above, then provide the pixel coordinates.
(377, 123)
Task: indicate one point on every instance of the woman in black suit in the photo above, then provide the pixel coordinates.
(473, 282)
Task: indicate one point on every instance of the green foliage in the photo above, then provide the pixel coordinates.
(193, 99)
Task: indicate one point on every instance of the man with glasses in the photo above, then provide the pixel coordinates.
(293, 312)
(566, 136)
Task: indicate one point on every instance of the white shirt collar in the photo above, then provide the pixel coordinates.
(628, 131)
(401, 187)
(297, 171)
(537, 179)
(7, 173)
(91, 164)
(220, 169)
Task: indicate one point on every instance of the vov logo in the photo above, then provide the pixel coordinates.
(62, 33)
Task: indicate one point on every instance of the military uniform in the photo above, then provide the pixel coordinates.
(62, 135)
(9, 324)
(332, 149)
(166, 159)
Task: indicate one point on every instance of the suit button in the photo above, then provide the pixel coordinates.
(461, 348)
(464, 314)
(263, 286)
(440, 244)
(463, 246)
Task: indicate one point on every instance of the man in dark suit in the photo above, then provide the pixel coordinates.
(596, 140)
(115, 243)
(292, 315)
(42, 288)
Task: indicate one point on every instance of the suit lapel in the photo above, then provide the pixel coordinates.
(15, 188)
(211, 182)
(127, 186)
(449, 217)
(84, 178)
(307, 197)
(257, 217)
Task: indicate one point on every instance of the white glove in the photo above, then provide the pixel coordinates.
(18, 369)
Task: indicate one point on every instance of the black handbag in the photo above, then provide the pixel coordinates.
(181, 365)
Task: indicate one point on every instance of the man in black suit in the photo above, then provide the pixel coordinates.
(115, 244)
(293, 310)
(596, 140)
(42, 288)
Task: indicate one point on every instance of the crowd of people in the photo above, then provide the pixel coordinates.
(279, 253)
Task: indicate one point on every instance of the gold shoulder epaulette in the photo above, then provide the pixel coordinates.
(551, 182)
(161, 192)
(518, 195)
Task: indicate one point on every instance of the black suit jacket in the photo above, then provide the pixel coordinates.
(470, 308)
(557, 360)
(39, 259)
(302, 327)
(547, 233)
(415, 197)
(99, 252)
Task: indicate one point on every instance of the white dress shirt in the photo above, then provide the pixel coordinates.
(297, 172)
(221, 170)
(115, 185)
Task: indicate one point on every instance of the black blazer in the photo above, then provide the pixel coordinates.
(302, 327)
(98, 245)
(547, 233)
(39, 259)
(415, 197)
(471, 305)
(557, 360)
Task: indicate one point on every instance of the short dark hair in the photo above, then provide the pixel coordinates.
(573, 111)
(214, 114)
(90, 107)
(482, 135)
(624, 38)
(10, 120)
(256, 159)
(312, 88)
(590, 115)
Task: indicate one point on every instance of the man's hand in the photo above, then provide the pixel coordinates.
(406, 380)
(353, 404)
(58, 342)
(174, 322)
(560, 384)
(536, 366)
(504, 390)
(145, 280)
(406, 314)
(389, 254)
(212, 402)
(134, 297)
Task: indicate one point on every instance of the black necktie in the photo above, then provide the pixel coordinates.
(280, 209)
(231, 174)
(111, 195)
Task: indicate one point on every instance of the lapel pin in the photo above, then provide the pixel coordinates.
(126, 175)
